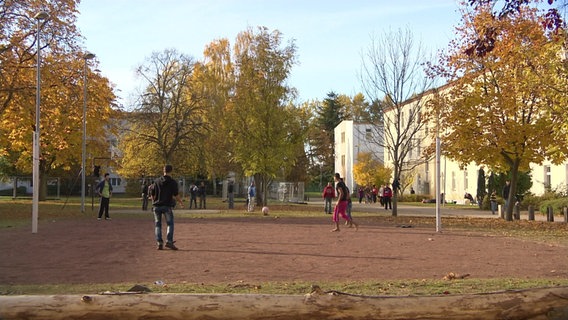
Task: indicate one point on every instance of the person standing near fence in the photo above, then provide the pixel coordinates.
(387, 197)
(144, 196)
(202, 194)
(328, 195)
(231, 195)
(104, 190)
(251, 193)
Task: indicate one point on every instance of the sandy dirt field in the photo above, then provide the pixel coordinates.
(259, 249)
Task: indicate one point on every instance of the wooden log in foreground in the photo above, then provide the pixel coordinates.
(535, 304)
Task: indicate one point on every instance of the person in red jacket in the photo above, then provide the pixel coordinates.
(328, 195)
(387, 197)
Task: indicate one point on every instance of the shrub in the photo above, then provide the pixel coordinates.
(413, 197)
(556, 204)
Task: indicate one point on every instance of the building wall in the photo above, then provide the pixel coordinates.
(351, 139)
(456, 180)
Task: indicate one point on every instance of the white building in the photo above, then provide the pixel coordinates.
(351, 139)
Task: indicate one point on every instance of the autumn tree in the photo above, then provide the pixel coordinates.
(62, 76)
(168, 120)
(502, 107)
(392, 74)
(263, 124)
(370, 171)
(215, 76)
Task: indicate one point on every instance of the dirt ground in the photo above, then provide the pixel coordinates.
(255, 249)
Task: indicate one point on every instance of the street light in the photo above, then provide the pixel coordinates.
(86, 56)
(42, 15)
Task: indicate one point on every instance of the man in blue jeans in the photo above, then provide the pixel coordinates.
(165, 195)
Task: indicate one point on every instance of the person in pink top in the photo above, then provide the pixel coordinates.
(328, 195)
(341, 205)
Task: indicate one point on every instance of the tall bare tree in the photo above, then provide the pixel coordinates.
(168, 121)
(392, 72)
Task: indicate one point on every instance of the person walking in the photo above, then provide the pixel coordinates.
(144, 196)
(165, 195)
(251, 192)
(328, 195)
(493, 202)
(387, 197)
(193, 195)
(231, 195)
(202, 192)
(374, 193)
(361, 194)
(104, 190)
(341, 204)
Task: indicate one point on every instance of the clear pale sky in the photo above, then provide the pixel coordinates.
(330, 35)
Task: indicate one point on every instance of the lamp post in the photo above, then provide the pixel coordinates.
(42, 15)
(86, 56)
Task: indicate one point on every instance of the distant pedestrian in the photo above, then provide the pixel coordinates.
(361, 194)
(251, 196)
(505, 193)
(202, 192)
(165, 195)
(193, 189)
(387, 197)
(328, 194)
(231, 195)
(144, 196)
(412, 190)
(374, 193)
(104, 190)
(493, 202)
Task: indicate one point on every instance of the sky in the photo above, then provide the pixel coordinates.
(330, 35)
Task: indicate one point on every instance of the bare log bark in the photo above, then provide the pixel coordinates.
(535, 304)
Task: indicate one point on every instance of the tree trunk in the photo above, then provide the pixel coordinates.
(513, 189)
(532, 304)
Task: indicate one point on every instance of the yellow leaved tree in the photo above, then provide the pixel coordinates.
(369, 171)
(501, 107)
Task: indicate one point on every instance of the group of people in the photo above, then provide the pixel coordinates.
(383, 195)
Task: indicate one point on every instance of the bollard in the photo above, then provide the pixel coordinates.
(500, 211)
(565, 214)
(549, 214)
(531, 213)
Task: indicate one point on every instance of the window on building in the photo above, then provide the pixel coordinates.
(368, 134)
(465, 180)
(343, 160)
(547, 177)
(453, 181)
(343, 137)
(115, 181)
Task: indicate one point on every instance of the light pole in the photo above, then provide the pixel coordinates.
(86, 56)
(42, 15)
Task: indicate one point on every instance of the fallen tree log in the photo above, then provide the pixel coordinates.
(533, 304)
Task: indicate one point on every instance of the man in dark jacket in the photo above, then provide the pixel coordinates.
(165, 195)
(104, 190)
